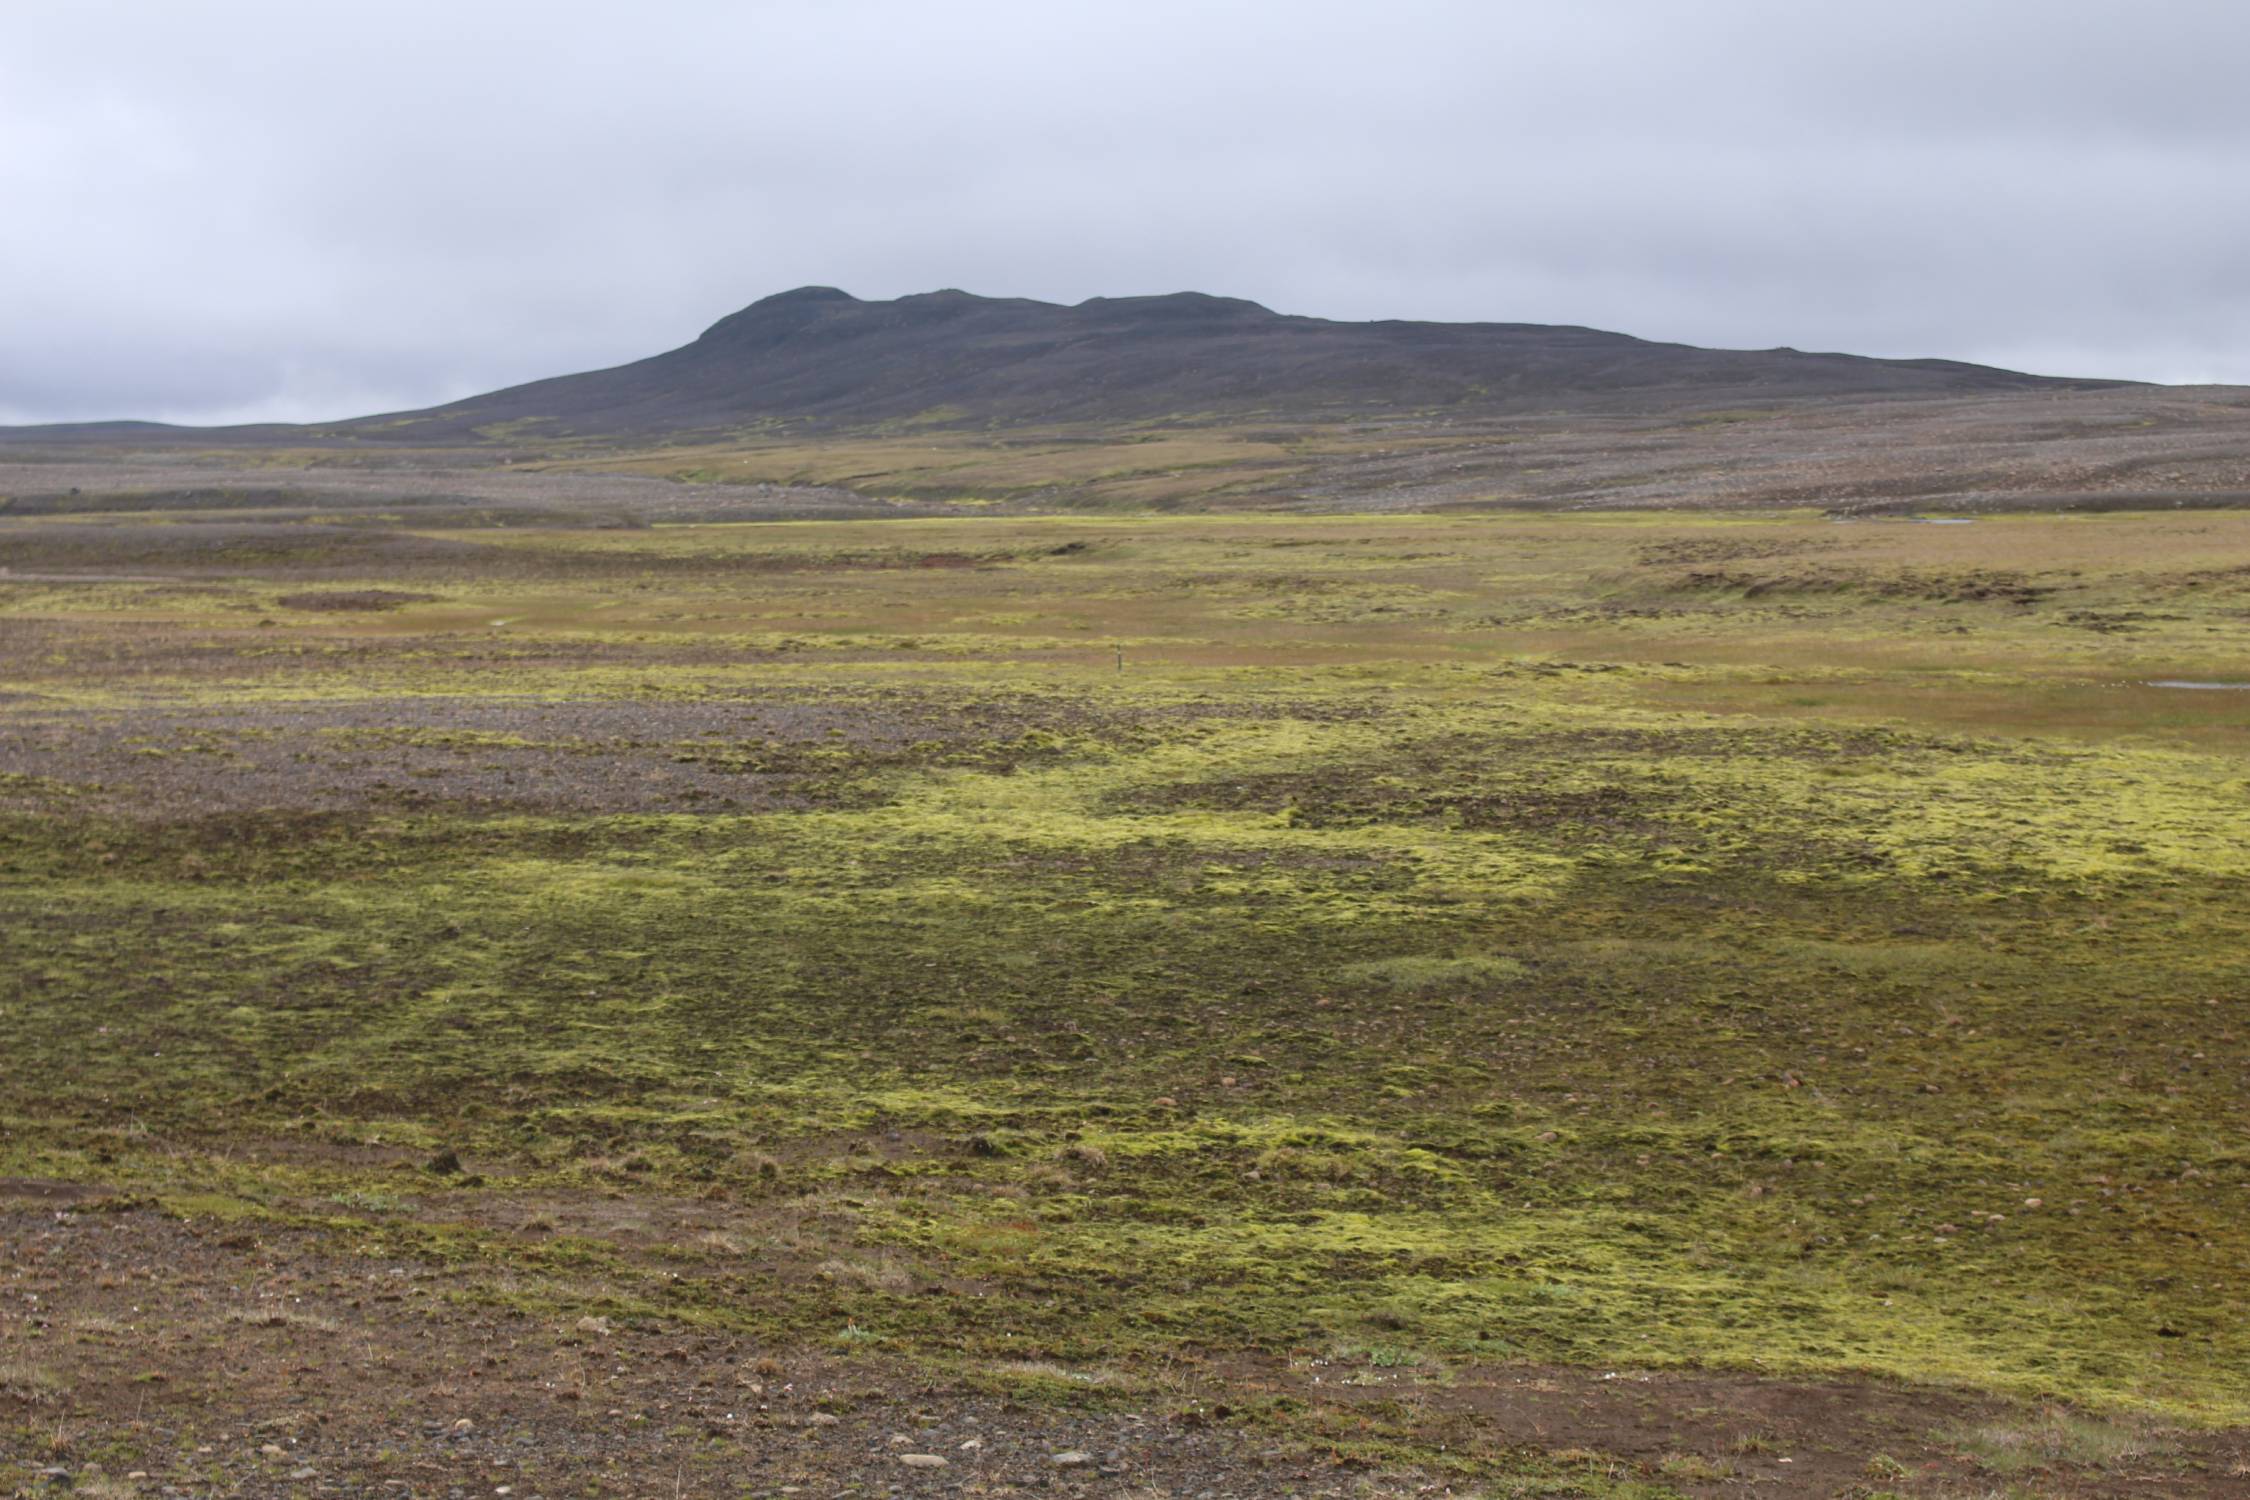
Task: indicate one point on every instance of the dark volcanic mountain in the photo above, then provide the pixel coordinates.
(824, 356)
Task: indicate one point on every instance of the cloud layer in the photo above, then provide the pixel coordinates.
(241, 210)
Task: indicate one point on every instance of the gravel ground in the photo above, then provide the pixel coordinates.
(208, 1357)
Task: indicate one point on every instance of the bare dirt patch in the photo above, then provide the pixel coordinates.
(341, 600)
(203, 1356)
(538, 755)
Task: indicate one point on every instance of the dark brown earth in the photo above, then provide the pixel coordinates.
(144, 1353)
(526, 755)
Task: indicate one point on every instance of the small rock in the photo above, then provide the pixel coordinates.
(1074, 1459)
(598, 1327)
(271, 1450)
(300, 1474)
(2034, 1203)
(824, 1419)
(921, 1460)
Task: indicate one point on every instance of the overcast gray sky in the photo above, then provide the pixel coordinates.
(233, 209)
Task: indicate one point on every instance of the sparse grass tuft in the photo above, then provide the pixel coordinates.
(291, 1318)
(2053, 1437)
(32, 1384)
(1693, 1467)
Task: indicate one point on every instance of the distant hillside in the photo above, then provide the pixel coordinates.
(822, 356)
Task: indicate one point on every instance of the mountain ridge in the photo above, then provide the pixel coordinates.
(820, 357)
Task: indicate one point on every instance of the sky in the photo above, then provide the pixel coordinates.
(234, 211)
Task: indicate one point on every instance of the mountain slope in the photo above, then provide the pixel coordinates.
(821, 355)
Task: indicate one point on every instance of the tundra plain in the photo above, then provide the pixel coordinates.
(1597, 1002)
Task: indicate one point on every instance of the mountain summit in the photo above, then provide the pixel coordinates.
(820, 355)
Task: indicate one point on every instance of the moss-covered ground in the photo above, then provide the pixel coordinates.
(1739, 942)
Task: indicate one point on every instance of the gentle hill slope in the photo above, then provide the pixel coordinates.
(822, 355)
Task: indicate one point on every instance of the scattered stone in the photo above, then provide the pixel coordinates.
(921, 1460)
(1074, 1459)
(824, 1419)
